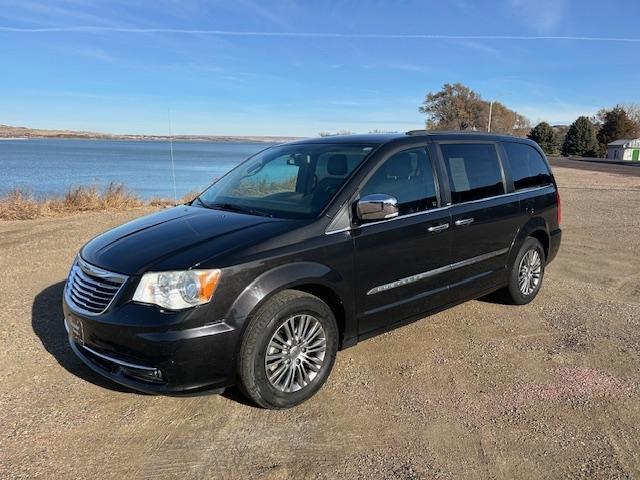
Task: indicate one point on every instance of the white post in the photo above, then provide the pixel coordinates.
(490, 111)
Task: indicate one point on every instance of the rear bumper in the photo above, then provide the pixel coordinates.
(554, 244)
(164, 358)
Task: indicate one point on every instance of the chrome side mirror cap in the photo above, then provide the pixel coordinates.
(377, 206)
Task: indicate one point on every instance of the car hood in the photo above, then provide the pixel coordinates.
(177, 238)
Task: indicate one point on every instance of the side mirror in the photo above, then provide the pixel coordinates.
(377, 206)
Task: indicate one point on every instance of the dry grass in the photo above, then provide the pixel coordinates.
(165, 202)
(22, 205)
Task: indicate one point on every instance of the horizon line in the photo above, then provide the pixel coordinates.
(240, 33)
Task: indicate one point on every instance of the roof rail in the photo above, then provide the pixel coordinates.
(454, 132)
(417, 132)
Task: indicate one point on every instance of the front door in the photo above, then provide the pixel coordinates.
(399, 262)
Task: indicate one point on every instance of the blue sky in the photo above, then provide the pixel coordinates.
(245, 67)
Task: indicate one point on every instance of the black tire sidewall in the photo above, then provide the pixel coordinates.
(265, 324)
(516, 295)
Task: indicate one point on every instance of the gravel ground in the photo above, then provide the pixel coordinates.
(549, 390)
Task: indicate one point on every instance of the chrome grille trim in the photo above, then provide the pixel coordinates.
(91, 290)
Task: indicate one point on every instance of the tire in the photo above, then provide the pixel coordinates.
(273, 330)
(515, 293)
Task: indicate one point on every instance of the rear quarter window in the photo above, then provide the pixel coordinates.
(528, 168)
(473, 169)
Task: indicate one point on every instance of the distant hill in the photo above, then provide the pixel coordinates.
(7, 131)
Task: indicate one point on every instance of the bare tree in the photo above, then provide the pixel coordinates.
(457, 107)
(633, 111)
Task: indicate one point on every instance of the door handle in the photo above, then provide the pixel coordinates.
(438, 228)
(464, 221)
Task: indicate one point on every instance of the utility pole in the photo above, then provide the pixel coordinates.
(490, 111)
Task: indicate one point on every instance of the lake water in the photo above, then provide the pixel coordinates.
(51, 166)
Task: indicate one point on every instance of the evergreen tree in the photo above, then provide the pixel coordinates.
(544, 135)
(581, 139)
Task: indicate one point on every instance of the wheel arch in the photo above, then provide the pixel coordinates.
(543, 238)
(536, 228)
(310, 277)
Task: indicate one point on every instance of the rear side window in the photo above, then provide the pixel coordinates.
(528, 168)
(474, 171)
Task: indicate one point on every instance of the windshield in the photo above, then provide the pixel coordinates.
(288, 181)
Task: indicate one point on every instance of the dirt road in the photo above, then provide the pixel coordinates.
(550, 390)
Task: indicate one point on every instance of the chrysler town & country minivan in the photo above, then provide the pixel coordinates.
(307, 248)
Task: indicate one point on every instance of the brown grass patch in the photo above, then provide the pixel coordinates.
(20, 204)
(167, 202)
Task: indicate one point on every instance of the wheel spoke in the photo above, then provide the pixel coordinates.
(313, 331)
(292, 328)
(290, 377)
(304, 375)
(313, 363)
(302, 325)
(278, 374)
(287, 331)
(278, 341)
(317, 347)
(272, 358)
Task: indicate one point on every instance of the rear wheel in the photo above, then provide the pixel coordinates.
(288, 350)
(526, 274)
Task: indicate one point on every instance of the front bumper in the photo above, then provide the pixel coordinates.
(155, 352)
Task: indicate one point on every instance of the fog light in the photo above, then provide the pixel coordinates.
(151, 375)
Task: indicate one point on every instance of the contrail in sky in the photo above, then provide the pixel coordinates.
(234, 33)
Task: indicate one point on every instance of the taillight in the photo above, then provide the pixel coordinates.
(559, 207)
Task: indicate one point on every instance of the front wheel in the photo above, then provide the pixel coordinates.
(526, 274)
(288, 350)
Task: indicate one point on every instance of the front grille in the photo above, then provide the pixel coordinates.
(91, 289)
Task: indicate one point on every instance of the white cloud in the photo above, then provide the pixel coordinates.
(542, 15)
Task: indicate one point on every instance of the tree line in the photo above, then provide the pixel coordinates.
(589, 136)
(457, 107)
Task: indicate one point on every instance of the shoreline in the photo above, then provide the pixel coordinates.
(142, 138)
(8, 132)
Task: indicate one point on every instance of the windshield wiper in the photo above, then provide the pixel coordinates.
(231, 207)
(199, 200)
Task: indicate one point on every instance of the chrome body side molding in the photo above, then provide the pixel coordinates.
(437, 271)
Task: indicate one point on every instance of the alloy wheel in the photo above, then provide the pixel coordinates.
(529, 272)
(295, 354)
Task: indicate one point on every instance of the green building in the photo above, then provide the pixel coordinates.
(624, 149)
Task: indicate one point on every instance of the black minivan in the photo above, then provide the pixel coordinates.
(307, 248)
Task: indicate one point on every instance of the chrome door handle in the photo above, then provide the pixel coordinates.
(439, 228)
(464, 221)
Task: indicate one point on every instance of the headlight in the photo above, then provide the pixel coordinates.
(177, 290)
